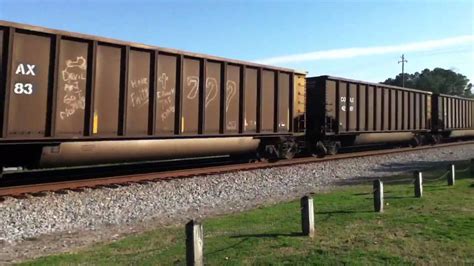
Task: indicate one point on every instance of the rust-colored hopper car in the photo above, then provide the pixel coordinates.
(73, 99)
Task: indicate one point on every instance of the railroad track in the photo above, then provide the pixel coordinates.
(117, 180)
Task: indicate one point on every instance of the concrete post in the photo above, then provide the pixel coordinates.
(194, 243)
(452, 175)
(418, 184)
(378, 196)
(307, 216)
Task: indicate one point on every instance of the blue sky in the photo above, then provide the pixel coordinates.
(263, 30)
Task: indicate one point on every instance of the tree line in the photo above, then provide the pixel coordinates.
(438, 80)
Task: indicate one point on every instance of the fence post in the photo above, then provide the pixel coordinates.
(452, 175)
(378, 196)
(194, 243)
(418, 184)
(307, 216)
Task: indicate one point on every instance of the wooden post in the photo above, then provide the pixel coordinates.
(378, 196)
(452, 175)
(418, 184)
(307, 216)
(194, 243)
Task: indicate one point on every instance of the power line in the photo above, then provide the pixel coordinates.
(403, 61)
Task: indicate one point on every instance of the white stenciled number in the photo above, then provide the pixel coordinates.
(23, 88)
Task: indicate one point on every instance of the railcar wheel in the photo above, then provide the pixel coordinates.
(333, 148)
(319, 150)
(326, 148)
(288, 150)
(416, 141)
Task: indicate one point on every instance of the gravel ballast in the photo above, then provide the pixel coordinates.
(95, 213)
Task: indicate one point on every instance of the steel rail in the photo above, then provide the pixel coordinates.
(187, 173)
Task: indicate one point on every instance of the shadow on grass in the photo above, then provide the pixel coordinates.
(246, 237)
(392, 197)
(293, 234)
(399, 197)
(434, 188)
(226, 248)
(343, 212)
(408, 168)
(385, 195)
(361, 194)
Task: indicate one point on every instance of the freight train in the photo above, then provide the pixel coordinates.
(70, 99)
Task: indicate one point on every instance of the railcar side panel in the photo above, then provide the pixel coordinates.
(212, 98)
(107, 91)
(393, 110)
(232, 99)
(449, 113)
(3, 75)
(412, 118)
(470, 114)
(283, 102)
(453, 113)
(138, 93)
(371, 108)
(190, 97)
(386, 109)
(71, 88)
(268, 101)
(352, 107)
(399, 121)
(330, 106)
(298, 96)
(250, 109)
(378, 108)
(29, 85)
(463, 114)
(167, 84)
(362, 108)
(341, 102)
(406, 114)
(416, 107)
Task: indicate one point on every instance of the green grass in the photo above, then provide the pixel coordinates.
(436, 229)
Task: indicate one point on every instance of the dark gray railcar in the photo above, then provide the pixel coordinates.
(453, 116)
(69, 98)
(344, 112)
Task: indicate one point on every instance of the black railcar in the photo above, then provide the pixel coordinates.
(344, 112)
(453, 117)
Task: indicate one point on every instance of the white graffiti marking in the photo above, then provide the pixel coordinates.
(211, 90)
(73, 75)
(193, 82)
(231, 125)
(165, 98)
(231, 90)
(140, 92)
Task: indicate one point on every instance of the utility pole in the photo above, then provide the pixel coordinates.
(403, 69)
